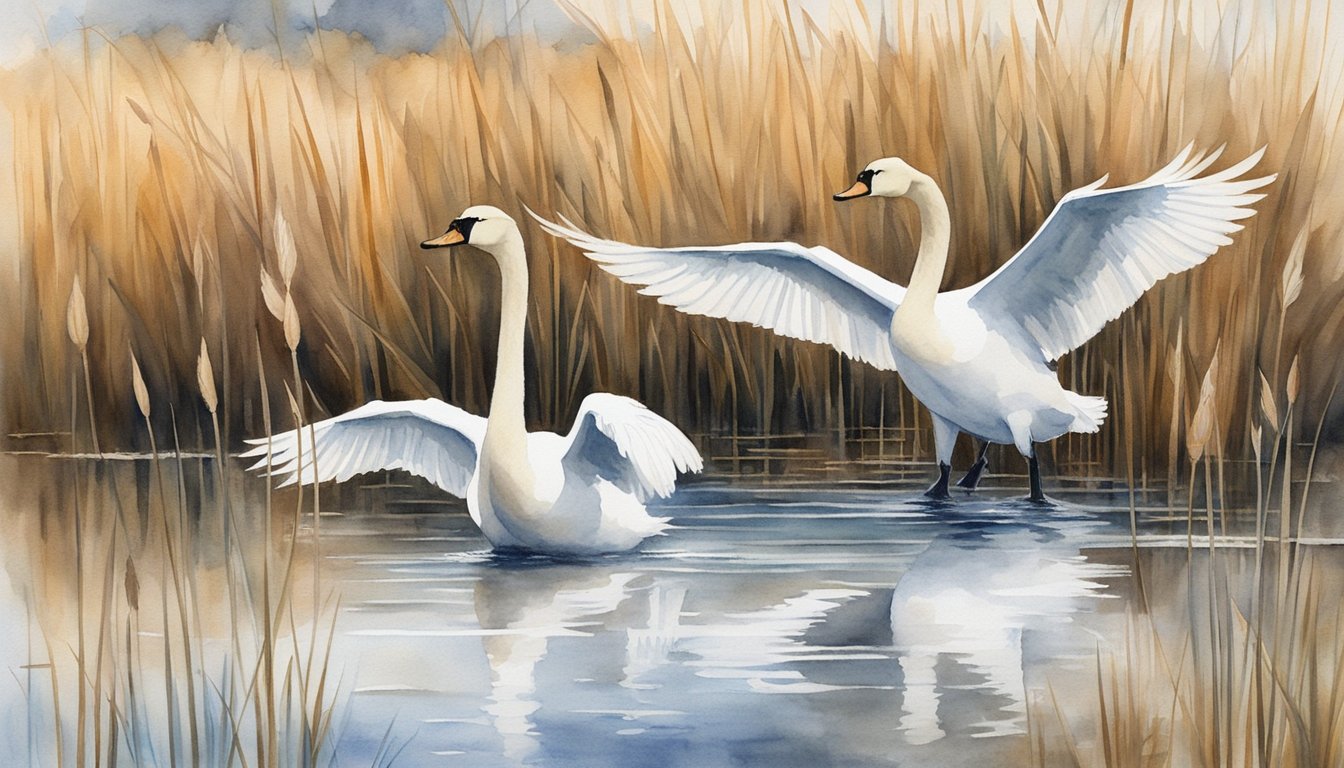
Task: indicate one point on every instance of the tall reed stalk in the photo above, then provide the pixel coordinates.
(712, 125)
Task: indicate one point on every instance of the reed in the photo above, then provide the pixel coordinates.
(217, 663)
(174, 167)
(1233, 687)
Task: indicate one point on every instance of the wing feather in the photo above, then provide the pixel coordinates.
(621, 441)
(805, 293)
(428, 438)
(1101, 249)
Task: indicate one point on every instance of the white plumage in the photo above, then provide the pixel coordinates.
(580, 493)
(978, 357)
(428, 438)
(812, 294)
(1101, 249)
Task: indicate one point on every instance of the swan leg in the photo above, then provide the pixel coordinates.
(1020, 424)
(938, 490)
(971, 480)
(944, 440)
(1034, 469)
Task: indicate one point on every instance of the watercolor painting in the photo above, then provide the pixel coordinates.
(581, 383)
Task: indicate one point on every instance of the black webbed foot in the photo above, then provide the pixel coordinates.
(971, 480)
(938, 490)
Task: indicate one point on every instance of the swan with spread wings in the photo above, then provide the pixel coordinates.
(980, 358)
(576, 494)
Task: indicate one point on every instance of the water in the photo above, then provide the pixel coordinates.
(800, 625)
(781, 621)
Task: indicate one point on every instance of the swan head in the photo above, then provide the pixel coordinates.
(888, 177)
(483, 226)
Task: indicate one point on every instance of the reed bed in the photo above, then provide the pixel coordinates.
(155, 170)
(179, 638)
(155, 639)
(1243, 664)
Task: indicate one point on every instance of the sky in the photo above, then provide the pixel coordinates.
(395, 26)
(392, 25)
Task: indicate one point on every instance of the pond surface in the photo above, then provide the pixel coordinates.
(791, 625)
(780, 622)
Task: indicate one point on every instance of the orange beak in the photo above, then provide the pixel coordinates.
(858, 190)
(446, 240)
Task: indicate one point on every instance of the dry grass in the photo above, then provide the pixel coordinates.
(1223, 670)
(155, 170)
(164, 175)
(165, 640)
(202, 657)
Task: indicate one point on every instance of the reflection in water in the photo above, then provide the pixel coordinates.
(520, 609)
(764, 646)
(796, 626)
(966, 602)
(647, 648)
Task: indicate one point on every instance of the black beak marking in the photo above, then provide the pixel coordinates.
(865, 178)
(461, 226)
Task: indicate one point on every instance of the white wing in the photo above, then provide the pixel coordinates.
(429, 438)
(1100, 249)
(621, 441)
(812, 294)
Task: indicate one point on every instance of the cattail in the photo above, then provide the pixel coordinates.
(1294, 382)
(205, 377)
(291, 321)
(1291, 283)
(138, 110)
(270, 293)
(1267, 405)
(77, 317)
(1201, 428)
(285, 249)
(132, 585)
(138, 385)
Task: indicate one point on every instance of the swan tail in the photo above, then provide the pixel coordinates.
(1090, 412)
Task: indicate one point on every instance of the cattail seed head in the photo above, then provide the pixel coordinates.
(270, 293)
(291, 321)
(286, 251)
(138, 385)
(77, 317)
(1200, 430)
(1267, 405)
(205, 377)
(1294, 381)
(1201, 427)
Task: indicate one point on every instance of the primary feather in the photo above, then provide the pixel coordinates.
(1101, 249)
(812, 294)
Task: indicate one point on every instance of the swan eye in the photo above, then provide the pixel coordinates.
(464, 225)
(866, 176)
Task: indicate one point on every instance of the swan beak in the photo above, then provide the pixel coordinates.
(858, 190)
(446, 240)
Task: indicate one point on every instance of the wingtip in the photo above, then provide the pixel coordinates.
(546, 224)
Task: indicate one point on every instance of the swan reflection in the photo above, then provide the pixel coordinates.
(963, 607)
(520, 610)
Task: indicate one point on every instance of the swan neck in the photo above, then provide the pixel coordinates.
(935, 226)
(506, 401)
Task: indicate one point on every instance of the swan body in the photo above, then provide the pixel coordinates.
(576, 494)
(979, 358)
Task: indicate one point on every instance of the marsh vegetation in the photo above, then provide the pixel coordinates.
(210, 240)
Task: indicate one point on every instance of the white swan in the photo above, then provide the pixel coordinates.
(979, 358)
(577, 494)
